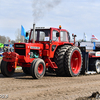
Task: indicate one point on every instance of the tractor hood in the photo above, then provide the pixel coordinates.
(36, 46)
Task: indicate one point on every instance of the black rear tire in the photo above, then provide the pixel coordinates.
(7, 69)
(73, 61)
(37, 68)
(26, 70)
(59, 59)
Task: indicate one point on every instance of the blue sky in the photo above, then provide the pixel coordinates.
(76, 16)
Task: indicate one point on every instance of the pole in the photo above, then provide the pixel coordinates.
(34, 33)
(23, 38)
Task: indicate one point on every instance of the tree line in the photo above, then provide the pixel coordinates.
(6, 40)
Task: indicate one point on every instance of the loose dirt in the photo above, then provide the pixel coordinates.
(50, 87)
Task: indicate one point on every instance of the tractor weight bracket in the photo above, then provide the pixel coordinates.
(11, 57)
(74, 37)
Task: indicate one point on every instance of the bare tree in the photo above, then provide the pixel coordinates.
(12, 41)
(7, 39)
(19, 37)
(3, 39)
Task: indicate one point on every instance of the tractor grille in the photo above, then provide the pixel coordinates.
(19, 45)
(20, 51)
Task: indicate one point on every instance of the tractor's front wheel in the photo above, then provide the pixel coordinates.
(7, 69)
(37, 68)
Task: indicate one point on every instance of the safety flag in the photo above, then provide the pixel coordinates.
(23, 31)
(94, 37)
(84, 37)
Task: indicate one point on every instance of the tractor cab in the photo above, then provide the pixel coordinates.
(51, 38)
(42, 34)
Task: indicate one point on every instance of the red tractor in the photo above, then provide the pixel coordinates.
(47, 48)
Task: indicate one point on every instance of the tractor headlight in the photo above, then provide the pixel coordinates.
(5, 49)
(12, 49)
(31, 54)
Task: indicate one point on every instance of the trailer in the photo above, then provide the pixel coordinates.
(91, 59)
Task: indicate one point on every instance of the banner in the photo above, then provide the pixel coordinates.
(94, 37)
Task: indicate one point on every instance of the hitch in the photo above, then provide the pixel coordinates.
(74, 37)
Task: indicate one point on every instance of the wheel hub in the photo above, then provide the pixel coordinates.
(40, 68)
(75, 62)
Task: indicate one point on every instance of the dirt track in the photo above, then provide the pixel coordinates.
(50, 87)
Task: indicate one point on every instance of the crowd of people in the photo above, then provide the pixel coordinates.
(6, 49)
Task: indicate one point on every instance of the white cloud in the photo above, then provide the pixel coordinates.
(80, 17)
(77, 16)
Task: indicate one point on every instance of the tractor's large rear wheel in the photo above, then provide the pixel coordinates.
(26, 70)
(73, 61)
(59, 59)
(7, 69)
(37, 68)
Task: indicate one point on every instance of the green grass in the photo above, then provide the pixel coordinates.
(18, 66)
(0, 57)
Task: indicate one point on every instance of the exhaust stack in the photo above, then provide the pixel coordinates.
(33, 33)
